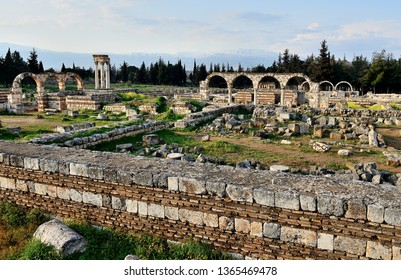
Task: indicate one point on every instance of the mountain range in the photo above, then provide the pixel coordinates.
(54, 59)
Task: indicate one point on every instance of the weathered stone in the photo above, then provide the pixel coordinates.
(17, 161)
(325, 241)
(216, 188)
(211, 220)
(52, 191)
(117, 203)
(75, 195)
(279, 168)
(79, 169)
(110, 175)
(142, 208)
(257, 229)
(242, 225)
(396, 253)
(392, 216)
(156, 210)
(378, 251)
(92, 198)
(124, 177)
(318, 131)
(40, 189)
(172, 184)
(131, 205)
(335, 136)
(47, 165)
(106, 201)
(142, 178)
(304, 128)
(272, 230)
(192, 186)
(349, 136)
(193, 217)
(31, 163)
(240, 193)
(264, 196)
(344, 152)
(330, 205)
(21, 185)
(320, 147)
(171, 213)
(287, 200)
(226, 223)
(356, 210)
(175, 156)
(375, 213)
(132, 258)
(63, 193)
(301, 236)
(350, 245)
(62, 238)
(308, 203)
(95, 172)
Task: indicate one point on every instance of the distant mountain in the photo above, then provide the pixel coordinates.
(53, 59)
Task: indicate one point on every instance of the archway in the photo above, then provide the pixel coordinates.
(73, 81)
(18, 85)
(243, 89)
(345, 86)
(326, 86)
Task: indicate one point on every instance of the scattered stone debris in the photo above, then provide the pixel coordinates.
(320, 147)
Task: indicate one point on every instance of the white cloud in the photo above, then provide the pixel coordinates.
(383, 29)
(313, 26)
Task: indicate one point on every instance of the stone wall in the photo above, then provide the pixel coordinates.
(259, 214)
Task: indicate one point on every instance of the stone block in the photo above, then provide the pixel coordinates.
(242, 225)
(48, 165)
(378, 251)
(300, 236)
(40, 189)
(356, 210)
(215, 188)
(160, 180)
(95, 172)
(304, 128)
(192, 186)
(64, 168)
(124, 177)
(17, 161)
(79, 169)
(308, 203)
(350, 245)
(63, 193)
(211, 220)
(21, 185)
(118, 203)
(142, 208)
(7, 183)
(131, 205)
(318, 131)
(240, 193)
(110, 175)
(257, 229)
(396, 253)
(325, 241)
(142, 178)
(287, 200)
(92, 198)
(193, 217)
(335, 136)
(171, 213)
(264, 196)
(75, 195)
(375, 213)
(226, 223)
(31, 163)
(330, 205)
(156, 210)
(106, 201)
(392, 216)
(172, 184)
(52, 191)
(272, 230)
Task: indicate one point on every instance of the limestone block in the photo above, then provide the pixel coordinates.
(171, 213)
(242, 225)
(7, 183)
(21, 185)
(375, 213)
(48, 165)
(62, 238)
(124, 177)
(76, 195)
(240, 193)
(257, 229)
(297, 235)
(142, 208)
(2, 157)
(392, 216)
(64, 168)
(193, 186)
(142, 178)
(52, 191)
(396, 253)
(110, 175)
(308, 203)
(193, 217)
(95, 172)
(350, 245)
(63, 193)
(156, 210)
(211, 220)
(17, 161)
(330, 205)
(263, 196)
(378, 251)
(226, 223)
(79, 169)
(215, 188)
(92, 198)
(325, 241)
(272, 230)
(31, 163)
(132, 205)
(172, 184)
(160, 180)
(40, 189)
(287, 200)
(356, 210)
(118, 203)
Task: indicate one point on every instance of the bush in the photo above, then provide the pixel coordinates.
(36, 250)
(11, 214)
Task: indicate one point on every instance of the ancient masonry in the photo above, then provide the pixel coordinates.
(258, 214)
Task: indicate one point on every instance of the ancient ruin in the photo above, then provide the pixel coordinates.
(104, 76)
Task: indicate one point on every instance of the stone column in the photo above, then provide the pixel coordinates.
(96, 75)
(101, 74)
(61, 86)
(255, 92)
(230, 93)
(107, 75)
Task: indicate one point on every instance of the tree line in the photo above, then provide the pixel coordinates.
(382, 73)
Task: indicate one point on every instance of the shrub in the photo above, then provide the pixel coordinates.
(36, 250)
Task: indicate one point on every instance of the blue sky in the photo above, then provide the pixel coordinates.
(351, 27)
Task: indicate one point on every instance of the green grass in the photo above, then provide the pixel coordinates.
(395, 106)
(130, 96)
(168, 116)
(336, 166)
(353, 105)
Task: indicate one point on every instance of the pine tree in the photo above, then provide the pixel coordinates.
(33, 63)
(63, 68)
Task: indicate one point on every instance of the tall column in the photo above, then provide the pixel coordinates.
(101, 74)
(255, 92)
(230, 93)
(96, 75)
(107, 75)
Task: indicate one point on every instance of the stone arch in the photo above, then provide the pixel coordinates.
(242, 76)
(326, 82)
(17, 83)
(59, 79)
(344, 82)
(302, 76)
(77, 78)
(271, 76)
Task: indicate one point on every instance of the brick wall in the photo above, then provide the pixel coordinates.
(259, 214)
